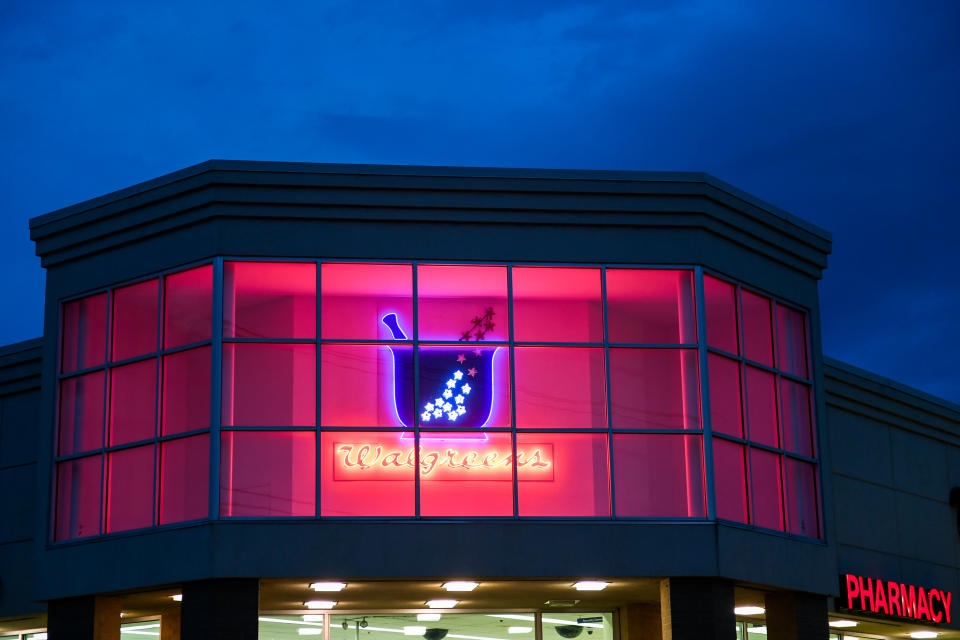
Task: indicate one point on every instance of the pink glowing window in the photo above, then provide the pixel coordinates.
(130, 489)
(762, 406)
(464, 386)
(653, 306)
(463, 302)
(658, 476)
(721, 310)
(134, 329)
(349, 372)
(560, 387)
(655, 388)
(267, 473)
(269, 300)
(802, 498)
(78, 498)
(557, 304)
(792, 339)
(757, 334)
(466, 476)
(563, 474)
(269, 385)
(188, 306)
(795, 411)
(366, 473)
(84, 335)
(730, 479)
(725, 409)
(186, 391)
(81, 413)
(355, 298)
(184, 479)
(133, 402)
(766, 493)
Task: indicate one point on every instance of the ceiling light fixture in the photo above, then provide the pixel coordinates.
(442, 604)
(843, 624)
(519, 629)
(320, 604)
(312, 617)
(924, 634)
(749, 611)
(428, 617)
(309, 631)
(414, 630)
(590, 585)
(328, 586)
(460, 585)
(177, 597)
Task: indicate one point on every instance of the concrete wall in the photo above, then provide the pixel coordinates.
(19, 422)
(895, 456)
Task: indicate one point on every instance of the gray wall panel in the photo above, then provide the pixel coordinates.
(17, 518)
(925, 528)
(860, 447)
(856, 505)
(19, 421)
(919, 465)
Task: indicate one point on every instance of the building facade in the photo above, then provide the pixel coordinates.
(274, 400)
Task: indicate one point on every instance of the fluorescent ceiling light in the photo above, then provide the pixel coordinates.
(749, 611)
(460, 585)
(843, 624)
(312, 617)
(519, 629)
(414, 630)
(428, 617)
(177, 597)
(511, 616)
(760, 631)
(924, 634)
(283, 621)
(328, 586)
(320, 604)
(591, 585)
(309, 631)
(442, 604)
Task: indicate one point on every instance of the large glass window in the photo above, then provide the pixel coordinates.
(351, 390)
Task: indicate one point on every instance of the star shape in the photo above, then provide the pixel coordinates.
(429, 406)
(476, 352)
(451, 383)
(438, 401)
(461, 410)
(437, 413)
(459, 399)
(425, 416)
(472, 372)
(447, 406)
(466, 389)
(447, 394)
(458, 375)
(461, 358)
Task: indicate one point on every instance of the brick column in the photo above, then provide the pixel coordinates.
(84, 618)
(796, 616)
(224, 609)
(640, 621)
(697, 609)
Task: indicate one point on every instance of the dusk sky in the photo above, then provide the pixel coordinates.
(843, 113)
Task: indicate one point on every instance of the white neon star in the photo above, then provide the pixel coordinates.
(447, 406)
(458, 375)
(425, 416)
(461, 410)
(452, 416)
(451, 384)
(437, 413)
(459, 399)
(438, 401)
(466, 389)
(429, 406)
(447, 394)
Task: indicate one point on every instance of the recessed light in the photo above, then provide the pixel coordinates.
(519, 629)
(414, 630)
(590, 585)
(177, 597)
(320, 604)
(843, 624)
(442, 604)
(328, 586)
(309, 631)
(924, 634)
(749, 611)
(428, 617)
(460, 585)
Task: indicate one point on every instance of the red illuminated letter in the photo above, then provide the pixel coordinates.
(909, 600)
(947, 596)
(880, 598)
(853, 590)
(893, 598)
(866, 593)
(923, 609)
(935, 615)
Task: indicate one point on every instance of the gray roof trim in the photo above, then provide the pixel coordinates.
(476, 175)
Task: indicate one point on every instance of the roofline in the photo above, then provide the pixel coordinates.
(427, 171)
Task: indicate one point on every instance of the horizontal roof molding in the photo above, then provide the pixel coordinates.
(220, 188)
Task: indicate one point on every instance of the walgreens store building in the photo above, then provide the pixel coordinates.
(363, 402)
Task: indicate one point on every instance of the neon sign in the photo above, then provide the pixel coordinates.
(897, 599)
(377, 461)
(456, 382)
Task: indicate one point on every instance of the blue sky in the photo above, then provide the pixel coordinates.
(843, 113)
